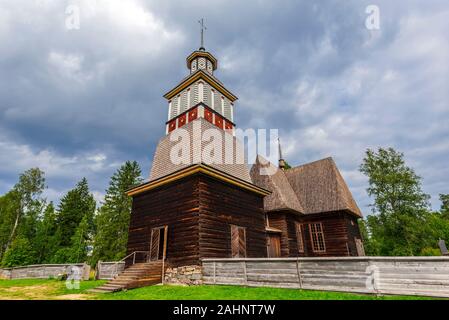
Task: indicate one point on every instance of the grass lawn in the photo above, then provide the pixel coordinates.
(56, 290)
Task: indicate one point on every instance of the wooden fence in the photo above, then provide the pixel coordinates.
(424, 276)
(108, 270)
(45, 271)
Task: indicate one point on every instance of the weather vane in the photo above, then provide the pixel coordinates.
(203, 27)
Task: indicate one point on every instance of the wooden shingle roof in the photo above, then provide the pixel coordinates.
(265, 175)
(315, 187)
(321, 188)
(163, 164)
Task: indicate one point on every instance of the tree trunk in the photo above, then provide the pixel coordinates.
(13, 231)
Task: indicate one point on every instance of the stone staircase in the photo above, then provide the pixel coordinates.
(136, 276)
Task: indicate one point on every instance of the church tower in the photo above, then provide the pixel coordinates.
(201, 207)
(200, 95)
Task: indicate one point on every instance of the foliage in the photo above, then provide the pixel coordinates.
(112, 221)
(46, 242)
(401, 223)
(20, 253)
(444, 198)
(74, 206)
(20, 210)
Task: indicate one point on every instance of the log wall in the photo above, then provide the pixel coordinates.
(199, 212)
(223, 205)
(175, 205)
(340, 231)
(423, 276)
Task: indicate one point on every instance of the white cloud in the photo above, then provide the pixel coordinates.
(18, 158)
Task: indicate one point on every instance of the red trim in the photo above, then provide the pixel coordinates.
(208, 115)
(182, 120)
(172, 125)
(228, 125)
(193, 114)
(219, 121)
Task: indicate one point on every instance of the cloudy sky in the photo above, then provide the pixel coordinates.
(80, 101)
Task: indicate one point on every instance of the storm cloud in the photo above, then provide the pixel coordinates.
(79, 101)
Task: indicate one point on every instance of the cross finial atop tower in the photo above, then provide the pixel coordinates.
(203, 27)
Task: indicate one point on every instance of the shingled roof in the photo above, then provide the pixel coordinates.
(310, 188)
(321, 188)
(264, 174)
(163, 165)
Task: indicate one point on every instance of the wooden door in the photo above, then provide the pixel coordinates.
(360, 248)
(238, 242)
(274, 246)
(155, 244)
(158, 243)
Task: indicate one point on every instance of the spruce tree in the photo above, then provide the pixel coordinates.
(113, 217)
(74, 206)
(46, 243)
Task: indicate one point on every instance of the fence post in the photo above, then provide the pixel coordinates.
(299, 273)
(244, 271)
(215, 272)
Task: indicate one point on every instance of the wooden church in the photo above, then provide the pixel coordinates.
(198, 209)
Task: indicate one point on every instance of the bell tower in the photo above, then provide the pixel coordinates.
(200, 94)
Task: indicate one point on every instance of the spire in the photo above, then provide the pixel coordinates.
(282, 164)
(203, 27)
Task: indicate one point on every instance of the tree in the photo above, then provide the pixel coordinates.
(398, 225)
(80, 243)
(46, 242)
(9, 204)
(24, 203)
(444, 198)
(74, 206)
(20, 253)
(113, 217)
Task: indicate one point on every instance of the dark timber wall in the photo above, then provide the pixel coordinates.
(175, 205)
(223, 205)
(199, 212)
(340, 231)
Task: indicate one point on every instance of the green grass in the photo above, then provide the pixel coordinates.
(56, 290)
(237, 293)
(41, 289)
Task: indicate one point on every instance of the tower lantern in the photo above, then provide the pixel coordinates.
(201, 94)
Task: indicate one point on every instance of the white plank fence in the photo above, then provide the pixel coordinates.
(424, 276)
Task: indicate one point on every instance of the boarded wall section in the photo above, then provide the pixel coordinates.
(46, 271)
(424, 276)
